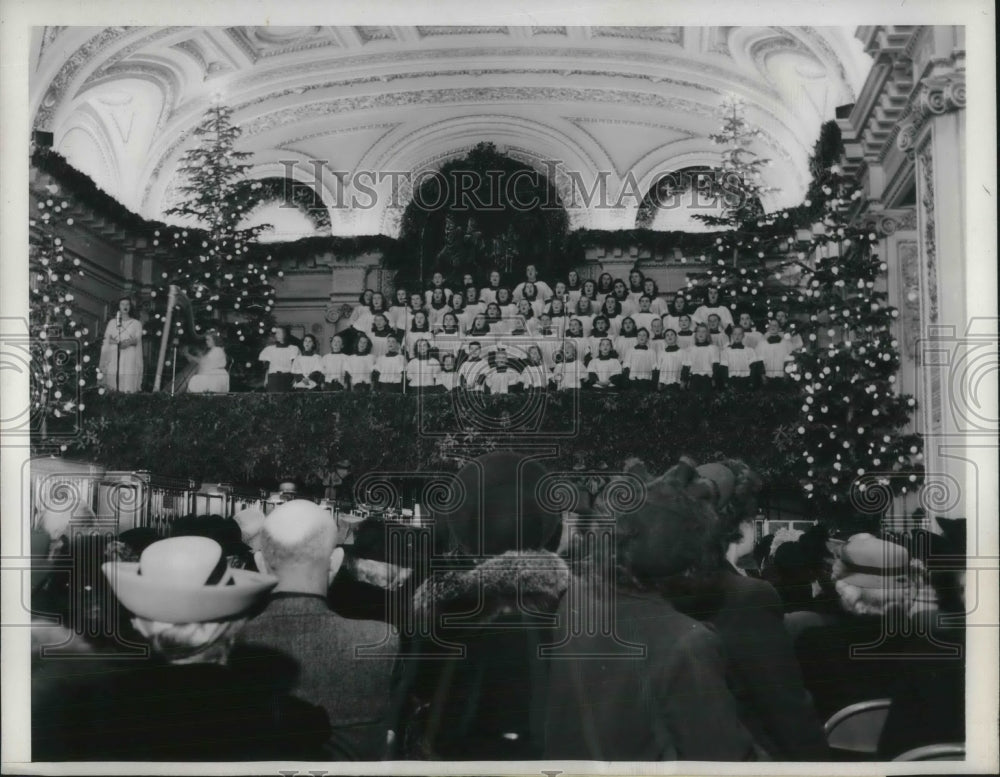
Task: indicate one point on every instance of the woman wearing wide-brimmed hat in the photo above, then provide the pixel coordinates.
(184, 703)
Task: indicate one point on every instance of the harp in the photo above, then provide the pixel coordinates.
(176, 298)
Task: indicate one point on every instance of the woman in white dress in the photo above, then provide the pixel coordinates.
(211, 377)
(121, 353)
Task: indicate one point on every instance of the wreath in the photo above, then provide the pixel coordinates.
(335, 312)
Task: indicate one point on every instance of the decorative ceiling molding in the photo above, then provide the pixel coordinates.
(656, 34)
(622, 168)
(670, 63)
(485, 94)
(49, 34)
(387, 126)
(468, 73)
(291, 87)
(455, 130)
(760, 50)
(159, 74)
(267, 42)
(194, 50)
(370, 34)
(430, 31)
(829, 58)
(56, 89)
(718, 40)
(136, 45)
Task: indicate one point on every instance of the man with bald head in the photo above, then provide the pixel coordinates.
(298, 643)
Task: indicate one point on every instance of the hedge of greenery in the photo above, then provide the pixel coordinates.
(261, 439)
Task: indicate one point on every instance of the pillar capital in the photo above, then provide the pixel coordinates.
(938, 93)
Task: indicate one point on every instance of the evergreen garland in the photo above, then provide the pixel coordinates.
(194, 436)
(291, 193)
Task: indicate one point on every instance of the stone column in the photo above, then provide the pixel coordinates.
(933, 132)
(899, 248)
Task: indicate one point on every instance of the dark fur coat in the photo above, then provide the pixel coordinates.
(482, 698)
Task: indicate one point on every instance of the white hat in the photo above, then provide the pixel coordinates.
(185, 580)
(251, 521)
(868, 562)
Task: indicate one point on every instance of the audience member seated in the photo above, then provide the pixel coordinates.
(609, 700)
(928, 695)
(473, 685)
(130, 544)
(225, 531)
(68, 546)
(857, 655)
(186, 703)
(799, 570)
(341, 665)
(747, 615)
(251, 521)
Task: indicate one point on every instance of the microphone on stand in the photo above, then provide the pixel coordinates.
(118, 352)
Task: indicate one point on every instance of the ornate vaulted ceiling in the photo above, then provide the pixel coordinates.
(630, 101)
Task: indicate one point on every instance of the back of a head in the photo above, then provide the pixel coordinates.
(214, 527)
(500, 508)
(137, 539)
(189, 525)
(730, 489)
(667, 535)
(792, 563)
(298, 533)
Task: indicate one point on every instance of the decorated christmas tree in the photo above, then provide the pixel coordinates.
(62, 367)
(853, 451)
(749, 256)
(225, 281)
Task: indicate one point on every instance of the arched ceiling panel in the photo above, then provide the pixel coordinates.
(614, 101)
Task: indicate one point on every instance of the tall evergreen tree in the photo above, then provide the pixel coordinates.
(60, 344)
(228, 286)
(750, 251)
(854, 451)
